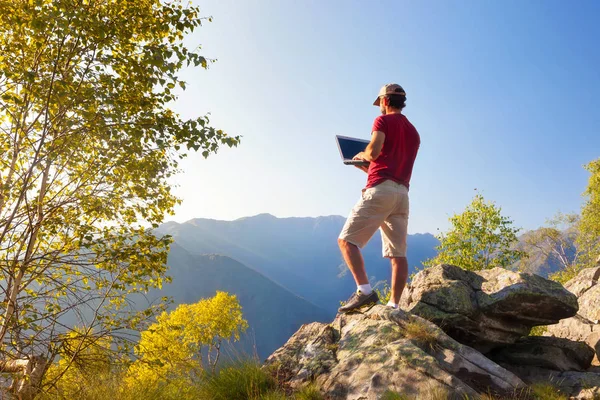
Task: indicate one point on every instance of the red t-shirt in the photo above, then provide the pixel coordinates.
(399, 151)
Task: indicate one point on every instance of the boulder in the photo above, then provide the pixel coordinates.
(546, 352)
(585, 325)
(576, 385)
(363, 355)
(587, 289)
(487, 309)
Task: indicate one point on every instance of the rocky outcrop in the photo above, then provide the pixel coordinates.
(487, 309)
(363, 355)
(585, 326)
(576, 385)
(546, 352)
(586, 286)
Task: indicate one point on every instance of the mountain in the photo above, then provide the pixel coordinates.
(300, 254)
(272, 312)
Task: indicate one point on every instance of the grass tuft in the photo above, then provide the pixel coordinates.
(538, 330)
(424, 335)
(389, 395)
(309, 392)
(547, 391)
(241, 380)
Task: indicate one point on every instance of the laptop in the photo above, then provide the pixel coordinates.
(349, 147)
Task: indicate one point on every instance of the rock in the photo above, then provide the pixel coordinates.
(587, 289)
(546, 352)
(585, 325)
(576, 385)
(362, 355)
(486, 309)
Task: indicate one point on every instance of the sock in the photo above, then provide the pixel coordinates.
(365, 289)
(392, 304)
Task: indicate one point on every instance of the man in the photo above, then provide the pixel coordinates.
(384, 202)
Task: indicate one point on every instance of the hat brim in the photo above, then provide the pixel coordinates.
(377, 101)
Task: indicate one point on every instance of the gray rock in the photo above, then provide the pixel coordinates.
(585, 325)
(486, 309)
(585, 286)
(576, 385)
(362, 355)
(546, 352)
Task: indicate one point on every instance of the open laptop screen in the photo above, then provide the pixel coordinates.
(349, 147)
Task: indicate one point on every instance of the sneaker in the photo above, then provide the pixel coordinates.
(358, 300)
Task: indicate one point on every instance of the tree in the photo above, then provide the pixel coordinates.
(569, 242)
(479, 238)
(552, 246)
(87, 369)
(87, 146)
(170, 350)
(589, 229)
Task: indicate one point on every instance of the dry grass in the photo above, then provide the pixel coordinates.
(423, 335)
(547, 391)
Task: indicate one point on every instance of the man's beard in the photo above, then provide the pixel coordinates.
(383, 110)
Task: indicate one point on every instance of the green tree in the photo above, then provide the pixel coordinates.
(87, 146)
(569, 241)
(589, 229)
(479, 238)
(87, 369)
(170, 350)
(552, 245)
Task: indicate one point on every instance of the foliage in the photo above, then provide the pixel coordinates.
(589, 229)
(479, 238)
(243, 380)
(384, 292)
(170, 350)
(274, 395)
(570, 241)
(86, 369)
(310, 392)
(538, 330)
(546, 391)
(88, 144)
(421, 333)
(553, 244)
(389, 395)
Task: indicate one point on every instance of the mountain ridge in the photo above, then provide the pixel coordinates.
(298, 253)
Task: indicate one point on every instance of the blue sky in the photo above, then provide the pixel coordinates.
(505, 95)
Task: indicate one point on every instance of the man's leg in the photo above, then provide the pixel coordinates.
(394, 234)
(354, 261)
(364, 220)
(399, 277)
(364, 294)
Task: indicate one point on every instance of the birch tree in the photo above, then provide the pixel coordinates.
(88, 142)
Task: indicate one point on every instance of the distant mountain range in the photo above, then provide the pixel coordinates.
(300, 254)
(285, 271)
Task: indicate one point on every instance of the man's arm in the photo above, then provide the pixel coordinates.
(373, 149)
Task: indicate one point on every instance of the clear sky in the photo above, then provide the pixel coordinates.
(505, 95)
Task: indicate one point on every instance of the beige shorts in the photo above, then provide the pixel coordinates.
(384, 207)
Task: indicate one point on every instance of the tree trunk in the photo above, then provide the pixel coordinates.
(28, 376)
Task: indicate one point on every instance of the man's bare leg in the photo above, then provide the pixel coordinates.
(354, 261)
(399, 277)
(364, 295)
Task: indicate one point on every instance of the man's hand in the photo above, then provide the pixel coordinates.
(363, 168)
(361, 157)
